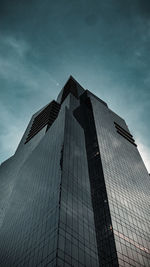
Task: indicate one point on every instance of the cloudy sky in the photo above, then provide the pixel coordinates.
(104, 44)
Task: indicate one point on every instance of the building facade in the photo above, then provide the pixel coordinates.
(76, 191)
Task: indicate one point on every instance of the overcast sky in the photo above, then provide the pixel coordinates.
(104, 44)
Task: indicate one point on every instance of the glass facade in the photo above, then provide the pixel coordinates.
(127, 185)
(105, 238)
(76, 192)
(77, 238)
(29, 233)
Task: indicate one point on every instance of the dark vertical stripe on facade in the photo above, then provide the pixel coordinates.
(103, 225)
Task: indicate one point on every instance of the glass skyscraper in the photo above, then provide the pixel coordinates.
(76, 192)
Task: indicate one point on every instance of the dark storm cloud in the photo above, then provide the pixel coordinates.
(104, 44)
(144, 7)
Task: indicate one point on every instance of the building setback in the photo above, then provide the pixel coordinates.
(76, 191)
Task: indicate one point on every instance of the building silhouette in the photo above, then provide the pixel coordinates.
(76, 191)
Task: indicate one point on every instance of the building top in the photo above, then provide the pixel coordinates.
(72, 86)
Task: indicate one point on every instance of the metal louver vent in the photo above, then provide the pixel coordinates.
(124, 133)
(45, 117)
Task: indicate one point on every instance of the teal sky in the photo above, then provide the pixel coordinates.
(104, 45)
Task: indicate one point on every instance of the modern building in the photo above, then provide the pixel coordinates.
(76, 191)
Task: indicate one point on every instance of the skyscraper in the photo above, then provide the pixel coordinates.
(76, 191)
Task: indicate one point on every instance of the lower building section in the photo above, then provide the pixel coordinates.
(50, 218)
